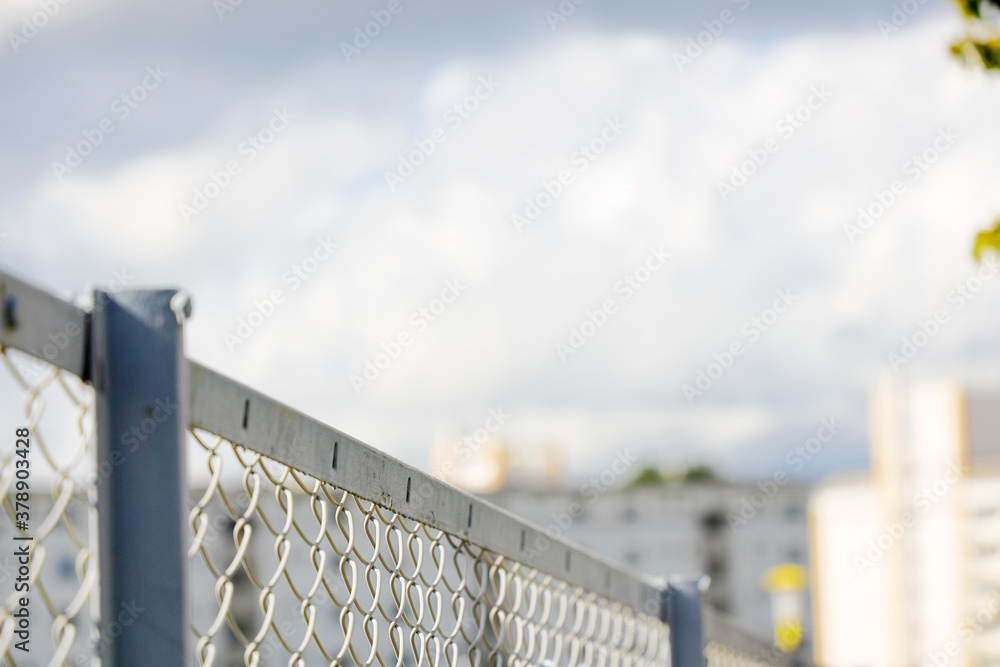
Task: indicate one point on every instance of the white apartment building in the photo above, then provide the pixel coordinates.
(906, 560)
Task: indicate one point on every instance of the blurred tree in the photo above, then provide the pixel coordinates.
(981, 48)
(648, 476)
(987, 239)
(699, 474)
(981, 45)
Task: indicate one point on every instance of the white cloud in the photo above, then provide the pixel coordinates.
(655, 185)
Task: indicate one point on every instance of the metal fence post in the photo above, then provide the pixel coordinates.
(683, 614)
(138, 371)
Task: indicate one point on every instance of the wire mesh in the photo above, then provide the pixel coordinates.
(57, 408)
(290, 570)
(720, 655)
(284, 568)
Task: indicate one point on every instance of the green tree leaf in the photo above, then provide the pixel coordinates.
(987, 240)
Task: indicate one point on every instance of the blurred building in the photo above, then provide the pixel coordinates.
(733, 532)
(483, 463)
(906, 561)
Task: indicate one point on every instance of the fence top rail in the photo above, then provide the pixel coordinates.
(43, 325)
(247, 417)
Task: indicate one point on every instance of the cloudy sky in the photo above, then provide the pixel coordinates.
(667, 190)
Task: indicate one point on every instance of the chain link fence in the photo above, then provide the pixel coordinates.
(291, 558)
(718, 654)
(306, 573)
(57, 408)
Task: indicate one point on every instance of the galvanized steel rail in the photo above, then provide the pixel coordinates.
(247, 417)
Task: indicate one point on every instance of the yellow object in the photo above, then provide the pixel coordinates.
(788, 635)
(785, 583)
(787, 577)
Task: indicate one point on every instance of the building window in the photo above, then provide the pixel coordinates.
(713, 521)
(715, 567)
(986, 549)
